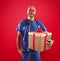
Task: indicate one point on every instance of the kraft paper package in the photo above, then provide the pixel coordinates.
(39, 41)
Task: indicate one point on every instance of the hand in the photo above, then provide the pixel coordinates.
(52, 42)
(21, 51)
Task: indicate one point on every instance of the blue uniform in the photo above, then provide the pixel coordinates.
(24, 27)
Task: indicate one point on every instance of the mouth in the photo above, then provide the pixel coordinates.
(31, 15)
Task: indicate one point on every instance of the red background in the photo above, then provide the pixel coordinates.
(12, 11)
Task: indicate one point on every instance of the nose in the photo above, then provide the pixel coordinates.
(31, 11)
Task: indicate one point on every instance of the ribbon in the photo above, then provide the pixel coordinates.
(45, 41)
(34, 40)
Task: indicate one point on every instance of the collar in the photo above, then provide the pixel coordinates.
(28, 21)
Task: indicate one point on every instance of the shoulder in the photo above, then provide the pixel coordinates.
(38, 21)
(22, 22)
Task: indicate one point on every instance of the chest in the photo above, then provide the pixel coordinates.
(30, 27)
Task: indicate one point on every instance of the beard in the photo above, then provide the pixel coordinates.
(31, 15)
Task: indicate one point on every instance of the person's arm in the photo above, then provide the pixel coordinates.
(20, 50)
(18, 39)
(42, 26)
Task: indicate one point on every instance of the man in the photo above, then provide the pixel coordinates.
(30, 24)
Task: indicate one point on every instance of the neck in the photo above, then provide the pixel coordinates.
(30, 18)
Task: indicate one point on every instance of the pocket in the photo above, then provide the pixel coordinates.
(24, 28)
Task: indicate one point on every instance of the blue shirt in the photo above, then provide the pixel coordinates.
(26, 26)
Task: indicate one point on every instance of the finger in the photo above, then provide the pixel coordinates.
(52, 43)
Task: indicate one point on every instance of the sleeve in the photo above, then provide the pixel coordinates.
(19, 27)
(43, 27)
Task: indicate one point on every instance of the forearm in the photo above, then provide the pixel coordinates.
(18, 43)
(45, 31)
(18, 40)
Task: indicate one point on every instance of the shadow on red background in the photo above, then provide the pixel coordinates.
(12, 11)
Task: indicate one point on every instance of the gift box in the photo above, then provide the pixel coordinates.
(39, 41)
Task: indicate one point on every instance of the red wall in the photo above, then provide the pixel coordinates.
(12, 11)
